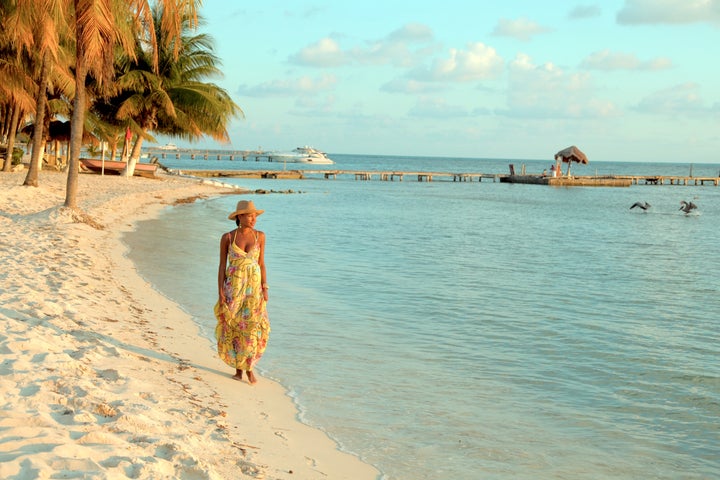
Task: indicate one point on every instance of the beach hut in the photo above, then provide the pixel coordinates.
(59, 132)
(569, 155)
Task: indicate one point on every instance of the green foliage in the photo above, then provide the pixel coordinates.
(16, 156)
(94, 150)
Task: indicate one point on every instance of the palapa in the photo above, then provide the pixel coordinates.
(569, 155)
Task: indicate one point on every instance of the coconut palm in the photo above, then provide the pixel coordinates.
(38, 30)
(176, 99)
(16, 98)
(16, 89)
(100, 26)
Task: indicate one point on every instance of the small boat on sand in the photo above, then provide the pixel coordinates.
(113, 167)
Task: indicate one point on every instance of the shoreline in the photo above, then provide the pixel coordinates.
(102, 374)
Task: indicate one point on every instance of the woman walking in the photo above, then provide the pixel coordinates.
(243, 326)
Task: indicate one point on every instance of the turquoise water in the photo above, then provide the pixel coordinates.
(480, 330)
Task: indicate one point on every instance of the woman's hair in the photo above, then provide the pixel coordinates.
(237, 220)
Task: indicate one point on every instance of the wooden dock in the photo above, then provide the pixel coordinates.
(574, 181)
(610, 180)
(674, 180)
(390, 176)
(399, 176)
(244, 155)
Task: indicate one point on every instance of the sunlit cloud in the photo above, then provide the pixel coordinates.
(607, 60)
(546, 91)
(324, 53)
(520, 29)
(477, 62)
(669, 12)
(403, 47)
(285, 87)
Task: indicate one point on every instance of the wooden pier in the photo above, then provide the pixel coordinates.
(574, 181)
(244, 155)
(611, 180)
(390, 176)
(674, 180)
(399, 176)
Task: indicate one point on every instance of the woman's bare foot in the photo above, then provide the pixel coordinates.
(251, 378)
(238, 375)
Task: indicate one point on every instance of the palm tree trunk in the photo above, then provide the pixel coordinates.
(134, 157)
(76, 132)
(12, 132)
(38, 131)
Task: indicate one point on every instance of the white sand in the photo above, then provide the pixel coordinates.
(102, 377)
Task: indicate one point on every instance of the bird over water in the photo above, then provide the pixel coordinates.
(643, 205)
(687, 206)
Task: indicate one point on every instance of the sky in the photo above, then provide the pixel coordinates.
(624, 80)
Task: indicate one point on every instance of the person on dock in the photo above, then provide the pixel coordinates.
(243, 326)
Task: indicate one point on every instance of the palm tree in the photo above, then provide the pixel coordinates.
(37, 28)
(16, 98)
(175, 100)
(16, 89)
(99, 26)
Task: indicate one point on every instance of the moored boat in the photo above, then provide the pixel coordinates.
(302, 155)
(114, 167)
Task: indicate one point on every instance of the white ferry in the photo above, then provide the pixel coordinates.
(301, 155)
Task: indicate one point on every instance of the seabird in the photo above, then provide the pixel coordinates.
(687, 206)
(643, 205)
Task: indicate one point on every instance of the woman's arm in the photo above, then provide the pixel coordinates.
(261, 262)
(224, 244)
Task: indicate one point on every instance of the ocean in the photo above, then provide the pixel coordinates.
(478, 330)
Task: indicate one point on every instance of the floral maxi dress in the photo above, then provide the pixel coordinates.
(243, 326)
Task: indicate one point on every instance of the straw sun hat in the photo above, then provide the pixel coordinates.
(244, 206)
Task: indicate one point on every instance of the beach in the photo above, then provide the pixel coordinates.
(104, 377)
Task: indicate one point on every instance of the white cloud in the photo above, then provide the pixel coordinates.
(607, 60)
(403, 47)
(683, 99)
(546, 91)
(412, 32)
(520, 29)
(584, 11)
(324, 53)
(478, 62)
(301, 85)
(669, 11)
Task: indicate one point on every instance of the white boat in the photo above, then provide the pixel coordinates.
(169, 146)
(301, 155)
